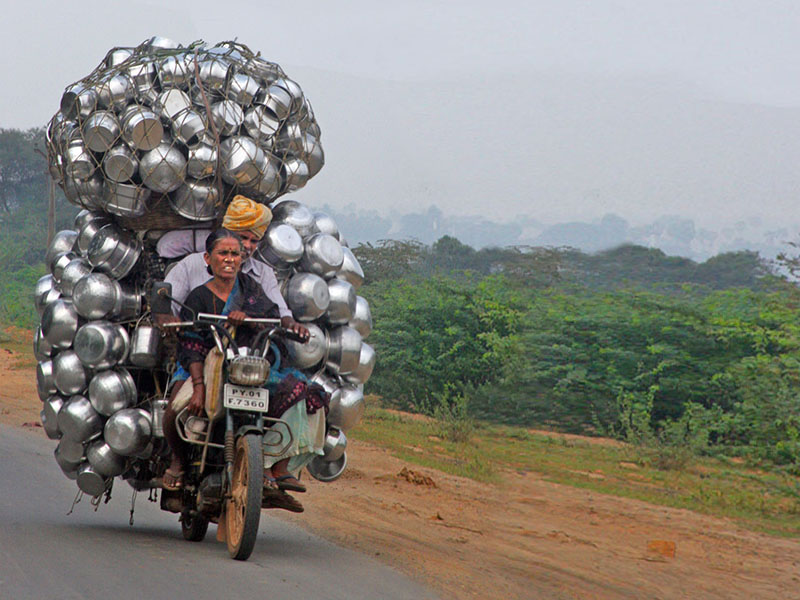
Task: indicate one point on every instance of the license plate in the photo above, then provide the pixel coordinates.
(246, 398)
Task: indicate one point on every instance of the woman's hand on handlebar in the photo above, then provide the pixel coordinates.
(236, 317)
(301, 331)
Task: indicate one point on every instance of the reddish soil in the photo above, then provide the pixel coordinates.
(525, 538)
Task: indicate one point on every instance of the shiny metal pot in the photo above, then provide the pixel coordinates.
(307, 296)
(268, 186)
(327, 471)
(95, 295)
(68, 467)
(366, 363)
(344, 350)
(89, 226)
(351, 269)
(260, 123)
(60, 323)
(295, 174)
(196, 200)
(79, 163)
(90, 481)
(101, 130)
(281, 246)
(70, 450)
(189, 127)
(175, 71)
(78, 421)
(335, 445)
(242, 161)
(323, 255)
(172, 101)
(277, 99)
(295, 214)
(362, 318)
(120, 164)
(128, 431)
(115, 93)
(59, 264)
(111, 391)
(75, 270)
(114, 251)
(78, 102)
(163, 168)
(42, 292)
(242, 88)
(348, 412)
(141, 128)
(45, 381)
(49, 416)
(227, 116)
(145, 344)
(42, 349)
(343, 302)
(104, 460)
(63, 241)
(101, 344)
(124, 199)
(69, 374)
(201, 161)
(331, 386)
(325, 224)
(310, 354)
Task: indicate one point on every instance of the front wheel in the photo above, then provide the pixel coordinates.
(194, 528)
(243, 509)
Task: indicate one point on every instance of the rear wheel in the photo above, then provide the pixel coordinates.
(194, 528)
(243, 509)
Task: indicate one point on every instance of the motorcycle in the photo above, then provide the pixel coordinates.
(224, 479)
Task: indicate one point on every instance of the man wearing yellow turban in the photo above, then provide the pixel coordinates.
(249, 220)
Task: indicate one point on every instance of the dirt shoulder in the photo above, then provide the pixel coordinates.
(522, 538)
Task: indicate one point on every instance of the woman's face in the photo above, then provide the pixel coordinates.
(225, 259)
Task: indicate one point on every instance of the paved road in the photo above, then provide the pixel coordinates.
(46, 554)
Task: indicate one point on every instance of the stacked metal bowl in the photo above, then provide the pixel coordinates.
(191, 126)
(320, 278)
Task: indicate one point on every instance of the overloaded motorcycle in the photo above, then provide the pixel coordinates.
(223, 482)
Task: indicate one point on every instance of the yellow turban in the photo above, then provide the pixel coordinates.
(244, 214)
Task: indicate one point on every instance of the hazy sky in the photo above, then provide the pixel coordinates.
(557, 110)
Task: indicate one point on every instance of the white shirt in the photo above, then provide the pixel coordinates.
(181, 242)
(191, 272)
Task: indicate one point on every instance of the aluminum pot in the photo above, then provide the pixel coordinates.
(104, 460)
(78, 421)
(43, 292)
(351, 270)
(277, 99)
(335, 444)
(242, 161)
(59, 264)
(189, 127)
(111, 391)
(322, 256)
(201, 161)
(366, 363)
(60, 323)
(45, 381)
(227, 116)
(124, 199)
(117, 56)
(362, 318)
(325, 224)
(128, 304)
(268, 186)
(101, 344)
(115, 93)
(344, 350)
(128, 431)
(141, 128)
(78, 102)
(281, 246)
(174, 71)
(331, 386)
(69, 467)
(90, 225)
(95, 295)
(343, 302)
(62, 242)
(145, 344)
(71, 450)
(294, 172)
(327, 471)
(49, 416)
(42, 349)
(120, 164)
(295, 92)
(242, 88)
(86, 193)
(307, 296)
(162, 168)
(196, 200)
(69, 374)
(295, 214)
(114, 251)
(101, 130)
(75, 270)
(261, 123)
(313, 154)
(310, 354)
(170, 102)
(213, 71)
(90, 481)
(348, 412)
(290, 138)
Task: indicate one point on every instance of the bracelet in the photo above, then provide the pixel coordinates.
(196, 383)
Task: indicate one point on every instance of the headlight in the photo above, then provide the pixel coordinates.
(248, 370)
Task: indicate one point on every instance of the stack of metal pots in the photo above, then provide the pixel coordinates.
(185, 127)
(320, 278)
(91, 341)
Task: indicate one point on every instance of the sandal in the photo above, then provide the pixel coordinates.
(282, 500)
(269, 482)
(172, 481)
(290, 482)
